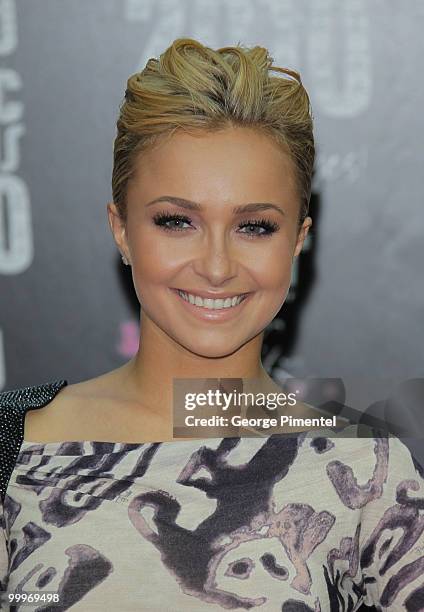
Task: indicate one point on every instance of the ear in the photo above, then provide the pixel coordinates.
(303, 232)
(118, 229)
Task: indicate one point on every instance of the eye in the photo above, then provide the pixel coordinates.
(163, 219)
(276, 570)
(240, 569)
(175, 222)
(268, 227)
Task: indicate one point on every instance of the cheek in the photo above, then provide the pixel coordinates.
(273, 271)
(157, 260)
(154, 259)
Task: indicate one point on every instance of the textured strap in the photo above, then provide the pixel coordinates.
(13, 406)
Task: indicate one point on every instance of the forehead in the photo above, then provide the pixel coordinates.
(237, 161)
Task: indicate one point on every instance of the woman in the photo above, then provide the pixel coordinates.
(211, 184)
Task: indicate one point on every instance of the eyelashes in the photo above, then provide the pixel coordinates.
(162, 219)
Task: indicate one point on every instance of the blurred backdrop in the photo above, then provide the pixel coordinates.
(355, 308)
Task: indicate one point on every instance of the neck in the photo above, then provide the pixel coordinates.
(159, 360)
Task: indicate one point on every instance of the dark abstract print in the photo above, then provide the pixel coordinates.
(284, 523)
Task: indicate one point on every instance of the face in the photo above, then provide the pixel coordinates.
(201, 237)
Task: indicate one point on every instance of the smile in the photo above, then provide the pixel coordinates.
(210, 310)
(211, 304)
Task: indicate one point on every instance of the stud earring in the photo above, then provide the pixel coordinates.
(125, 260)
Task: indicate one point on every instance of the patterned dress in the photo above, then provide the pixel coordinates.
(309, 522)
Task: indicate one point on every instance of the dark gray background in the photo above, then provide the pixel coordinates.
(67, 309)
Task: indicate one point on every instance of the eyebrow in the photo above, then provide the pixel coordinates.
(251, 207)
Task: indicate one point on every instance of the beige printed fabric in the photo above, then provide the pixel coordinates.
(307, 523)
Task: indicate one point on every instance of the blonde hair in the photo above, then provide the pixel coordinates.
(195, 88)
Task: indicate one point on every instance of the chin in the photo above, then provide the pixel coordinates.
(210, 351)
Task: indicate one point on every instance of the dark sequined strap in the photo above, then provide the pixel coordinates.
(13, 406)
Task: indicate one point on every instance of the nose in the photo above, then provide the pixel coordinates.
(217, 262)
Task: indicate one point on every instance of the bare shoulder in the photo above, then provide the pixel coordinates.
(73, 414)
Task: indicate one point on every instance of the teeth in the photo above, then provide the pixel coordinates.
(209, 303)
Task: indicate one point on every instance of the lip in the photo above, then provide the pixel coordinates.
(211, 314)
